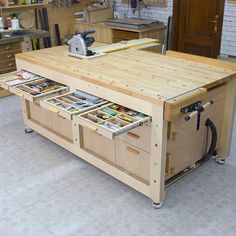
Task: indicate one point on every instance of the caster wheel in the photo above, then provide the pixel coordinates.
(220, 160)
(28, 130)
(157, 205)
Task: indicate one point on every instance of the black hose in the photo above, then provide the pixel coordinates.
(212, 148)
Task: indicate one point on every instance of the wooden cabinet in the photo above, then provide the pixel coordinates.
(108, 34)
(7, 61)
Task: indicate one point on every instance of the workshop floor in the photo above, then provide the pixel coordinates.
(45, 191)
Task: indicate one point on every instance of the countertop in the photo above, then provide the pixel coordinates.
(150, 76)
(30, 34)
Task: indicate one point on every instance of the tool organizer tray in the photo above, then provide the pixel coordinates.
(38, 89)
(111, 120)
(69, 104)
(16, 78)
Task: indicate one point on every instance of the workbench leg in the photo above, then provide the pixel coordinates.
(228, 120)
(25, 111)
(158, 156)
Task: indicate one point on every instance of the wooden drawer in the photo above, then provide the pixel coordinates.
(7, 70)
(38, 89)
(10, 47)
(133, 160)
(62, 126)
(124, 35)
(98, 145)
(139, 137)
(70, 104)
(8, 55)
(39, 115)
(6, 65)
(111, 120)
(15, 78)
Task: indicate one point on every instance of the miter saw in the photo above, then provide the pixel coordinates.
(78, 45)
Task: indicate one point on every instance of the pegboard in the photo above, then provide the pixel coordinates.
(157, 3)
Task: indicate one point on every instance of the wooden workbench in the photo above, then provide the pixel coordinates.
(149, 156)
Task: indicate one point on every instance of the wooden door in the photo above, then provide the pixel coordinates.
(198, 26)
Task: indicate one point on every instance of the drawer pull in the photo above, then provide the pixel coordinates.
(94, 129)
(133, 135)
(18, 94)
(7, 48)
(10, 64)
(53, 110)
(9, 56)
(132, 150)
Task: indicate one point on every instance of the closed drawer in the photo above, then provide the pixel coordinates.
(139, 137)
(39, 115)
(123, 34)
(98, 145)
(62, 126)
(6, 65)
(9, 47)
(7, 70)
(8, 55)
(133, 160)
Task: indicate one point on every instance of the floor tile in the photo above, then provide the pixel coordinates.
(22, 224)
(52, 210)
(79, 223)
(8, 206)
(136, 224)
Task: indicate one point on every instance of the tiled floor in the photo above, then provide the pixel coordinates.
(46, 191)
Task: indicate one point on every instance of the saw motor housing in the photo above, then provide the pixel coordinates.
(80, 42)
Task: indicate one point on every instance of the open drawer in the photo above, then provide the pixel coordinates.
(16, 78)
(111, 120)
(38, 89)
(70, 104)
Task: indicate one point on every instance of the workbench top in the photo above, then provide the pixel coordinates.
(150, 76)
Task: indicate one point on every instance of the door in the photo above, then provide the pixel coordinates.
(198, 26)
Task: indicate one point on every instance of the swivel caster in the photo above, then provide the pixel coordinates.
(157, 205)
(220, 160)
(28, 130)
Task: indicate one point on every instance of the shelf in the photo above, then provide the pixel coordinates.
(28, 6)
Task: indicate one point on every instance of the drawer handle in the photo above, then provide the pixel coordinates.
(133, 135)
(53, 110)
(10, 64)
(132, 150)
(7, 48)
(18, 94)
(9, 56)
(94, 129)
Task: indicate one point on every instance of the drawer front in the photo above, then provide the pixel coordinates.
(111, 120)
(38, 89)
(39, 115)
(62, 126)
(139, 137)
(97, 144)
(8, 55)
(125, 35)
(7, 70)
(70, 104)
(10, 47)
(6, 65)
(133, 160)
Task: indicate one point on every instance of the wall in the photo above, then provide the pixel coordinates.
(228, 44)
